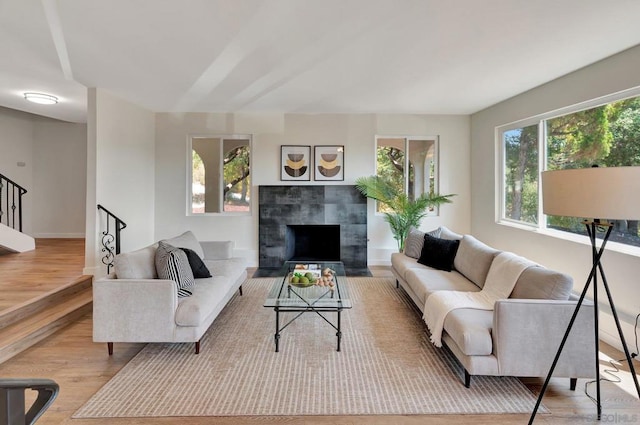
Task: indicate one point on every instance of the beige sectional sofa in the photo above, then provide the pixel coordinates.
(133, 305)
(521, 335)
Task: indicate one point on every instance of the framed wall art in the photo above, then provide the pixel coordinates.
(329, 162)
(295, 162)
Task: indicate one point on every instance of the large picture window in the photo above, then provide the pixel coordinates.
(606, 135)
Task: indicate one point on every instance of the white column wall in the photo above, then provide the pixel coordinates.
(120, 173)
(609, 76)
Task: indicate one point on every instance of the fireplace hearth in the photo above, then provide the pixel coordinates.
(312, 222)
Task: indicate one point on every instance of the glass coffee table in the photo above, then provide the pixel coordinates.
(302, 297)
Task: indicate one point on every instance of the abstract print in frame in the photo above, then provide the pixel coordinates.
(329, 162)
(295, 162)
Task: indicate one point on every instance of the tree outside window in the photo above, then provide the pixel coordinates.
(605, 136)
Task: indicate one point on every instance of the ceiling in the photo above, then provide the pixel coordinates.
(301, 56)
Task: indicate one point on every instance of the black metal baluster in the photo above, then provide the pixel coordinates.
(11, 190)
(1, 187)
(108, 239)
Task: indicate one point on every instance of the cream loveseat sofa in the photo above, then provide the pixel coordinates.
(133, 305)
(520, 337)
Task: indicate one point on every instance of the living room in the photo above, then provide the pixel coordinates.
(136, 164)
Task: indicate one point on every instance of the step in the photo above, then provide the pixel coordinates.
(30, 307)
(32, 322)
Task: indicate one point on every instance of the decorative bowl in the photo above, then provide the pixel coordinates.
(311, 278)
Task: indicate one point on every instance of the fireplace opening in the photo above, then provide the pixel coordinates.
(313, 242)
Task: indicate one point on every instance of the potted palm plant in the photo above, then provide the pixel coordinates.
(402, 213)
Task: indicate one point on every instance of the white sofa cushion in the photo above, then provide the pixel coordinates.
(474, 259)
(231, 267)
(446, 233)
(542, 283)
(217, 250)
(207, 293)
(402, 263)
(138, 264)
(424, 281)
(471, 330)
(186, 240)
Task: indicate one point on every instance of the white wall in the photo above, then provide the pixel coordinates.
(59, 179)
(120, 173)
(609, 76)
(54, 157)
(16, 145)
(270, 131)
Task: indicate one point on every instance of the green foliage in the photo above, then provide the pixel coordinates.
(625, 149)
(237, 172)
(607, 135)
(402, 213)
(198, 167)
(390, 168)
(580, 139)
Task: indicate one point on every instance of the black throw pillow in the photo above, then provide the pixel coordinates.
(197, 265)
(438, 253)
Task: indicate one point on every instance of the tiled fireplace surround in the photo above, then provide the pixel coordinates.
(284, 206)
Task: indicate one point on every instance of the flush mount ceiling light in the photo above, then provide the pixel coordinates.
(41, 98)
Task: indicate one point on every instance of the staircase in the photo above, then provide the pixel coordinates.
(26, 324)
(13, 241)
(11, 237)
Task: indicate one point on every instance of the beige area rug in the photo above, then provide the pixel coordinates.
(386, 366)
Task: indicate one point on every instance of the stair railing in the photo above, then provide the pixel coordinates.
(109, 240)
(10, 192)
(12, 400)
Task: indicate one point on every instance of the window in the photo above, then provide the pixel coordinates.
(521, 174)
(410, 162)
(606, 135)
(220, 174)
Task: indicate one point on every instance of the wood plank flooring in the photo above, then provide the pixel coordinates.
(27, 275)
(81, 367)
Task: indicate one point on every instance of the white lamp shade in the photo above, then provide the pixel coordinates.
(592, 193)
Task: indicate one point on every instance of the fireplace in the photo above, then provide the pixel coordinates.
(312, 242)
(312, 222)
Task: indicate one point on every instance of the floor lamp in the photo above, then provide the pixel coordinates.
(610, 193)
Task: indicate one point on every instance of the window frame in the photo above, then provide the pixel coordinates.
(540, 119)
(436, 164)
(189, 170)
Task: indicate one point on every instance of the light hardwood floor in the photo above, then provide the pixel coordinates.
(81, 367)
(27, 275)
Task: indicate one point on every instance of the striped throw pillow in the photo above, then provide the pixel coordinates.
(172, 264)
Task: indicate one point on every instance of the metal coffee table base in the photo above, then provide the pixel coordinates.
(310, 307)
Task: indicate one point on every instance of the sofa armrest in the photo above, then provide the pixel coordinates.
(217, 250)
(134, 310)
(527, 334)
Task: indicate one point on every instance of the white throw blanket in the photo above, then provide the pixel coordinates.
(501, 278)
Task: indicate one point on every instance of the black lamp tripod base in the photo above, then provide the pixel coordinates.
(596, 268)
